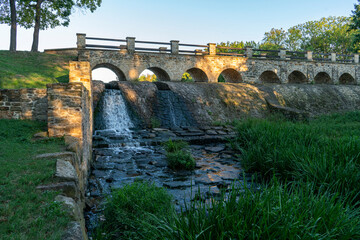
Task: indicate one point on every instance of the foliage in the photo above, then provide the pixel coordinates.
(180, 160)
(186, 77)
(147, 78)
(128, 209)
(325, 152)
(355, 26)
(155, 123)
(32, 70)
(276, 212)
(26, 213)
(177, 155)
(174, 146)
(325, 35)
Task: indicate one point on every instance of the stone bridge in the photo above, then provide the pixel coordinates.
(208, 62)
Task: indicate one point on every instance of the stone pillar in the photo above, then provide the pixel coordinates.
(282, 53)
(249, 51)
(356, 58)
(130, 42)
(174, 46)
(80, 72)
(212, 48)
(309, 55)
(333, 57)
(81, 40)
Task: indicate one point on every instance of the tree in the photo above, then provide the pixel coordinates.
(274, 39)
(355, 26)
(43, 14)
(8, 15)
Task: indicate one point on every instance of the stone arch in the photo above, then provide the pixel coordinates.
(322, 78)
(161, 74)
(297, 77)
(269, 77)
(120, 74)
(347, 78)
(198, 75)
(231, 75)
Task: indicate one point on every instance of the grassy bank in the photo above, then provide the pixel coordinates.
(32, 70)
(26, 213)
(310, 177)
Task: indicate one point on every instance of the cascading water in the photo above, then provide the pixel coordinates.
(114, 116)
(172, 111)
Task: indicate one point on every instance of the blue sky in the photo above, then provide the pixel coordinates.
(190, 21)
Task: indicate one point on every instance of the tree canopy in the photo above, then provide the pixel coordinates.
(44, 14)
(332, 34)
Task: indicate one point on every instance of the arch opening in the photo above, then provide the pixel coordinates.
(297, 77)
(195, 75)
(154, 74)
(346, 78)
(230, 75)
(269, 77)
(106, 72)
(322, 78)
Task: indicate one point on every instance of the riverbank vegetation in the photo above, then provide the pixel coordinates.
(27, 213)
(309, 177)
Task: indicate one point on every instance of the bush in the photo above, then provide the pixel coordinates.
(180, 160)
(174, 146)
(177, 156)
(128, 209)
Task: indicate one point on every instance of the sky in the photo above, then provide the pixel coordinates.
(189, 21)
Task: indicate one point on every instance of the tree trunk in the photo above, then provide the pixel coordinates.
(35, 45)
(13, 26)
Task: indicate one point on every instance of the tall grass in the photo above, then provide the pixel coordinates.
(177, 155)
(279, 211)
(324, 151)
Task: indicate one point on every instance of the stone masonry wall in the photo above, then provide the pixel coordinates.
(69, 115)
(28, 103)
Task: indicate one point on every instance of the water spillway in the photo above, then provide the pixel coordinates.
(124, 152)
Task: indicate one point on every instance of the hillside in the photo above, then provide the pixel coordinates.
(32, 70)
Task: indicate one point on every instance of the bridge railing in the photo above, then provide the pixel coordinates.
(131, 45)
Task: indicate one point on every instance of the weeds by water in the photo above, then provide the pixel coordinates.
(325, 151)
(177, 156)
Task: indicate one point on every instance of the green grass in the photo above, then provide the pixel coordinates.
(324, 151)
(32, 70)
(26, 213)
(279, 211)
(177, 156)
(127, 211)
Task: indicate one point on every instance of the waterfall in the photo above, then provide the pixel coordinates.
(172, 111)
(113, 116)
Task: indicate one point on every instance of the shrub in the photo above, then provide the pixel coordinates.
(174, 146)
(180, 160)
(177, 155)
(127, 210)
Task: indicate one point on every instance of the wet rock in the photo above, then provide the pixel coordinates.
(211, 132)
(208, 179)
(215, 149)
(179, 184)
(229, 175)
